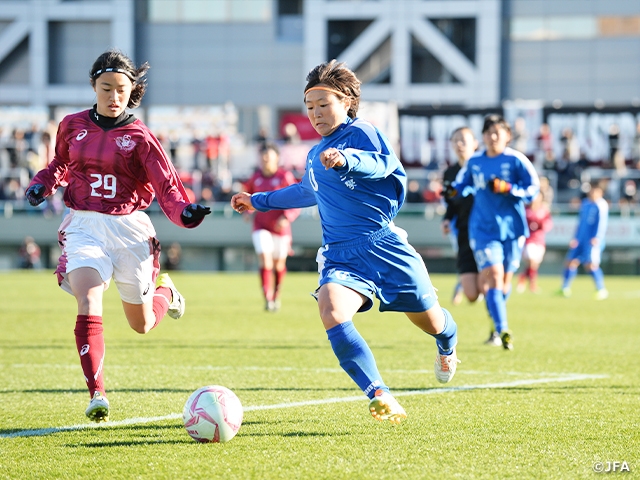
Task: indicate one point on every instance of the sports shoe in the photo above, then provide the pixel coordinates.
(564, 292)
(270, 306)
(507, 342)
(521, 287)
(177, 304)
(445, 366)
(494, 339)
(98, 409)
(384, 407)
(602, 294)
(276, 305)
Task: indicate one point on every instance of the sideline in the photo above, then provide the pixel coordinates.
(142, 420)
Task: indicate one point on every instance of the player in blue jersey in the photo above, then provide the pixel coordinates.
(503, 180)
(359, 184)
(588, 242)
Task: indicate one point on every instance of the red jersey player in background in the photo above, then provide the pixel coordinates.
(112, 167)
(540, 222)
(271, 230)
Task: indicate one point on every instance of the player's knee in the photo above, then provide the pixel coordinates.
(472, 296)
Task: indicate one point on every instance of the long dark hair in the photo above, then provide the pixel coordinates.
(115, 61)
(339, 77)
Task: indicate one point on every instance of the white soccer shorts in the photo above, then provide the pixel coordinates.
(534, 252)
(122, 247)
(266, 241)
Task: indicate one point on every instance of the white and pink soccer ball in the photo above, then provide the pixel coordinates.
(212, 414)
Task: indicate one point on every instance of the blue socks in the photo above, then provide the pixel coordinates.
(356, 358)
(568, 275)
(497, 308)
(448, 337)
(598, 277)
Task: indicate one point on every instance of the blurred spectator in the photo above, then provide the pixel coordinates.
(174, 142)
(291, 134)
(546, 190)
(45, 150)
(636, 147)
(173, 257)
(629, 196)
(29, 254)
(575, 202)
(197, 145)
(211, 149)
(614, 142)
(12, 190)
(414, 193)
(620, 163)
(570, 146)
(520, 135)
(261, 138)
(206, 196)
(34, 163)
(568, 165)
(17, 148)
(433, 192)
(544, 156)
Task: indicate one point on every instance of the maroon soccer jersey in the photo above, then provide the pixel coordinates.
(540, 222)
(112, 171)
(268, 220)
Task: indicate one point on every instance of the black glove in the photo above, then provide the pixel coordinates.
(193, 213)
(448, 192)
(35, 194)
(498, 185)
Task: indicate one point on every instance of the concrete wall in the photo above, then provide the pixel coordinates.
(223, 241)
(210, 64)
(603, 67)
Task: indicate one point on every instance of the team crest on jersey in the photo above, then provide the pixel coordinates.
(125, 143)
(350, 184)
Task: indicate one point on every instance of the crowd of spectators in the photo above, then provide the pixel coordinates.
(207, 172)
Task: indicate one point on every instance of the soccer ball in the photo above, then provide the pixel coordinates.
(212, 414)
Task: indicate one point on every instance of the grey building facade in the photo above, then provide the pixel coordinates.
(255, 53)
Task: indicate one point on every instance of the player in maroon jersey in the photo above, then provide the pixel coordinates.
(112, 167)
(271, 230)
(540, 222)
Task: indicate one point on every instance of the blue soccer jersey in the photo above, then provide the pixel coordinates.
(592, 222)
(354, 200)
(498, 216)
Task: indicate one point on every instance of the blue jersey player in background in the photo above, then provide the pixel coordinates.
(358, 184)
(587, 244)
(503, 181)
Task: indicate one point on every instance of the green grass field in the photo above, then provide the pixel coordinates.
(565, 398)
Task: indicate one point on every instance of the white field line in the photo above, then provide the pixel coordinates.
(306, 403)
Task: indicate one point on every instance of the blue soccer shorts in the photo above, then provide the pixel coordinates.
(495, 252)
(382, 265)
(586, 253)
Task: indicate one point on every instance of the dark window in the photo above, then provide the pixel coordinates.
(461, 32)
(14, 69)
(425, 68)
(290, 7)
(341, 33)
(73, 47)
(377, 67)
